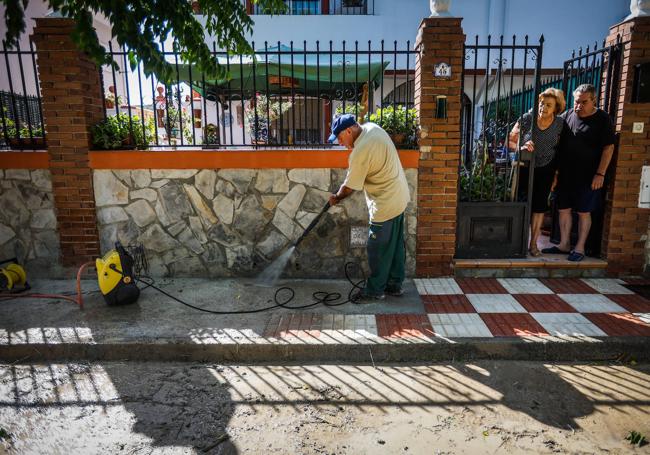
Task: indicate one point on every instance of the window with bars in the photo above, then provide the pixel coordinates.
(321, 7)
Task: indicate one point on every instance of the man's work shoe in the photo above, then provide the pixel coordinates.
(395, 292)
(361, 297)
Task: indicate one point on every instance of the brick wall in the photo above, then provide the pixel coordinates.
(71, 97)
(626, 225)
(439, 40)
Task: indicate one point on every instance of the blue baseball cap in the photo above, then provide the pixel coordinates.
(340, 124)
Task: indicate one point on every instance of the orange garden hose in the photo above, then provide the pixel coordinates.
(79, 300)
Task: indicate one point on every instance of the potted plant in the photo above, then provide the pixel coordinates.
(260, 112)
(33, 140)
(8, 129)
(21, 137)
(117, 132)
(400, 123)
(110, 99)
(357, 109)
(211, 135)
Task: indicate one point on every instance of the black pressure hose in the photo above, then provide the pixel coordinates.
(285, 294)
(281, 298)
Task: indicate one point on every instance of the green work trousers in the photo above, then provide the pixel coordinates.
(386, 256)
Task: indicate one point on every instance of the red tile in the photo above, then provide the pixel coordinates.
(543, 303)
(480, 286)
(283, 326)
(447, 304)
(403, 325)
(633, 303)
(637, 281)
(619, 324)
(271, 329)
(568, 286)
(512, 324)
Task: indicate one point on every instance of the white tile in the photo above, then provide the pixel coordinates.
(592, 303)
(567, 324)
(454, 325)
(607, 285)
(437, 286)
(419, 285)
(495, 303)
(524, 286)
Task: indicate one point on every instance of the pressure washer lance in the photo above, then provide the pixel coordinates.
(313, 223)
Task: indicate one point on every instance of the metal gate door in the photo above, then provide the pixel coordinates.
(501, 81)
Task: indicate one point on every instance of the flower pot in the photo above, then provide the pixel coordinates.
(33, 143)
(398, 138)
(259, 134)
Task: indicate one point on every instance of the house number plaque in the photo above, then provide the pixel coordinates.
(442, 69)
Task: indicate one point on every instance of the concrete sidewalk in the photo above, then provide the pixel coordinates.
(436, 319)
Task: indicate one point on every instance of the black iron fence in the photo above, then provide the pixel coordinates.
(498, 87)
(21, 116)
(281, 96)
(590, 65)
(325, 7)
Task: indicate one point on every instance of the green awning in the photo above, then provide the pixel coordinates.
(309, 74)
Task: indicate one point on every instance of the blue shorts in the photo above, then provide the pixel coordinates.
(581, 199)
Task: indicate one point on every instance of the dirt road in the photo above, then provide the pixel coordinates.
(457, 408)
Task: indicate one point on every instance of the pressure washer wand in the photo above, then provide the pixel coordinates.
(313, 223)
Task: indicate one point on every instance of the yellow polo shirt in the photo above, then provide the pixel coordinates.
(374, 166)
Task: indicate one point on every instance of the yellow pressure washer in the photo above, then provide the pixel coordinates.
(13, 277)
(116, 278)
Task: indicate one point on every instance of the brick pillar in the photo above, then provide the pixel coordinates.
(71, 97)
(439, 40)
(625, 225)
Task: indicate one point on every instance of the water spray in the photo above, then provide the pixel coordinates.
(270, 275)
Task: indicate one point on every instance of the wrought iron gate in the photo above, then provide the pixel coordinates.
(601, 68)
(493, 203)
(493, 206)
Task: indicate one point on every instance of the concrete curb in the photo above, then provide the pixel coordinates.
(625, 348)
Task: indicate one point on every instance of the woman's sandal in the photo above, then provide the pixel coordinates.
(534, 252)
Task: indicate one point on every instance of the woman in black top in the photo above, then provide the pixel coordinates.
(542, 140)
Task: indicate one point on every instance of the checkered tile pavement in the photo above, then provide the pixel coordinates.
(503, 307)
(537, 309)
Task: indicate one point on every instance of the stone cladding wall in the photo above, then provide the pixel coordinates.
(28, 223)
(234, 222)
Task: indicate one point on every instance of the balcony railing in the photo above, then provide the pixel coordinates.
(325, 7)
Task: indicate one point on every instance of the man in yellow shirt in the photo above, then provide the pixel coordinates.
(374, 166)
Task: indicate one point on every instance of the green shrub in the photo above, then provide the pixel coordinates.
(114, 132)
(398, 120)
(350, 108)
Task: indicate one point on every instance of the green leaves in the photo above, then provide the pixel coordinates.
(117, 132)
(140, 25)
(397, 120)
(636, 439)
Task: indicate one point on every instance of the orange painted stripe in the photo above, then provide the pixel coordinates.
(241, 159)
(24, 160)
